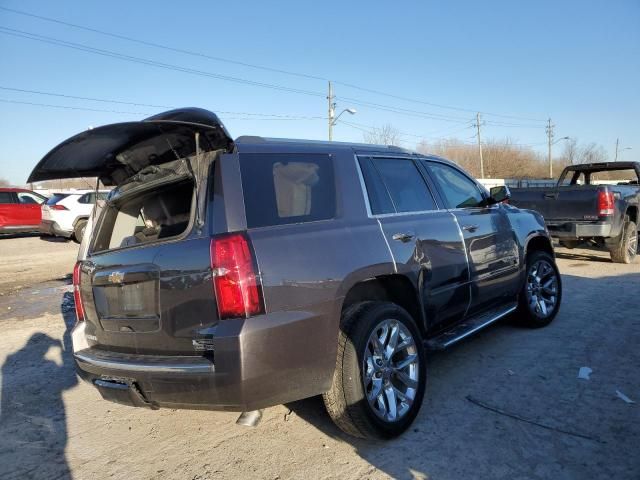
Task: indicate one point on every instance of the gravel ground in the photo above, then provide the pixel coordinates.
(550, 424)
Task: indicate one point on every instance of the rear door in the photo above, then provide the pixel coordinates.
(490, 242)
(424, 239)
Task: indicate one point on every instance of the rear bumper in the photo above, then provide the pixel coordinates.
(579, 230)
(256, 363)
(49, 227)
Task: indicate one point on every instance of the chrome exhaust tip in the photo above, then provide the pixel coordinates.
(250, 419)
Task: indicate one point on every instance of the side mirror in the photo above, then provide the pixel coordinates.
(500, 194)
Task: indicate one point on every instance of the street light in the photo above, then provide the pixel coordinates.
(334, 120)
(621, 150)
(351, 111)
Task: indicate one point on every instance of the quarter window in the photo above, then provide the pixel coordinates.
(459, 190)
(287, 188)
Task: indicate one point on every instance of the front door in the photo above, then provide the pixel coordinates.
(424, 239)
(490, 242)
(29, 205)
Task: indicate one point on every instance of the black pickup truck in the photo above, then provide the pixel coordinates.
(595, 203)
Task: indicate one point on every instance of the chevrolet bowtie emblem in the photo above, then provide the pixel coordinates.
(116, 277)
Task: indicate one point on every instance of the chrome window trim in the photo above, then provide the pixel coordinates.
(365, 192)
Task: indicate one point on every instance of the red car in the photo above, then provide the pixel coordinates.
(20, 210)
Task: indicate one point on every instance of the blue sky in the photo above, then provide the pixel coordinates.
(574, 61)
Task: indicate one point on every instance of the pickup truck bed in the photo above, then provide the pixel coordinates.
(601, 214)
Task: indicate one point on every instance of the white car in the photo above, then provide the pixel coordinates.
(65, 214)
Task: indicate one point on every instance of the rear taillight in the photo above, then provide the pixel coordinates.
(76, 292)
(606, 203)
(235, 279)
(58, 207)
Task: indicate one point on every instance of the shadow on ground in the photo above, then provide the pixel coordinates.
(33, 424)
(566, 427)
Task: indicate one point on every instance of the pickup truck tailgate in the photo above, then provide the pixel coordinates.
(579, 202)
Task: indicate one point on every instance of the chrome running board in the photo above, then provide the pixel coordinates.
(468, 327)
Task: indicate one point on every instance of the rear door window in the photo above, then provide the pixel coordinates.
(29, 198)
(6, 197)
(404, 184)
(379, 199)
(287, 188)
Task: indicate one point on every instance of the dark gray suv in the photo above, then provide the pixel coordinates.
(240, 274)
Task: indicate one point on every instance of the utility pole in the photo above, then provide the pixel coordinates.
(549, 130)
(480, 145)
(332, 110)
(617, 142)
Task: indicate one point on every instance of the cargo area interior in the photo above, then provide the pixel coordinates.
(148, 216)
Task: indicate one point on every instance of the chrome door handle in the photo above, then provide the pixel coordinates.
(470, 228)
(403, 237)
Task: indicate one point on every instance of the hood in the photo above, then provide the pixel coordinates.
(115, 152)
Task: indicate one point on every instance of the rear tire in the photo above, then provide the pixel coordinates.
(377, 389)
(78, 231)
(541, 294)
(626, 250)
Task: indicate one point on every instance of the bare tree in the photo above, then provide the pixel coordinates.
(4, 182)
(386, 135)
(571, 151)
(593, 153)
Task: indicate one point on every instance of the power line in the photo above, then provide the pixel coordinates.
(104, 100)
(21, 90)
(439, 105)
(144, 61)
(262, 117)
(5, 100)
(154, 63)
(260, 67)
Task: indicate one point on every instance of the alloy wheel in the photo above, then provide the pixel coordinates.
(391, 370)
(632, 246)
(542, 288)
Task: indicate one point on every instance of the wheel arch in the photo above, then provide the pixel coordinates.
(81, 217)
(538, 242)
(395, 288)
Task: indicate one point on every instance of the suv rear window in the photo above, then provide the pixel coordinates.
(56, 198)
(287, 188)
(159, 214)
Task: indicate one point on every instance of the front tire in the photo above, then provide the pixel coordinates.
(541, 294)
(78, 231)
(380, 375)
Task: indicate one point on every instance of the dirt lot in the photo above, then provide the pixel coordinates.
(52, 426)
